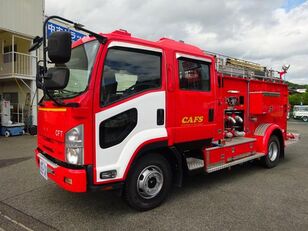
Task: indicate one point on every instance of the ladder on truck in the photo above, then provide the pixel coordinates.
(226, 65)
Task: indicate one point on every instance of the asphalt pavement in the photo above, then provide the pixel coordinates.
(247, 197)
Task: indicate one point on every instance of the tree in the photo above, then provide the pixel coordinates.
(295, 99)
(305, 98)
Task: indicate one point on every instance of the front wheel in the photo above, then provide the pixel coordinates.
(272, 158)
(148, 183)
(305, 118)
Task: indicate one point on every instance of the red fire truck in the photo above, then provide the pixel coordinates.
(120, 112)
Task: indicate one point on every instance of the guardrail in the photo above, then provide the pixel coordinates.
(18, 64)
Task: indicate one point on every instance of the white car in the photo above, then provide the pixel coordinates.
(300, 112)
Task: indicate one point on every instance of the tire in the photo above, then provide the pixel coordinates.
(148, 183)
(271, 159)
(7, 133)
(305, 119)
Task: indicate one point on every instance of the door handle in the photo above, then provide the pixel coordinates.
(211, 115)
(160, 116)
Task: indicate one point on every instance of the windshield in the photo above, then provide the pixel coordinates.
(300, 108)
(80, 65)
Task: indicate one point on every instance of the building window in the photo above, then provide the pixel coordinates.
(194, 75)
(11, 96)
(128, 72)
(7, 54)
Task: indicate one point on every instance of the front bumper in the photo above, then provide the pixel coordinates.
(74, 180)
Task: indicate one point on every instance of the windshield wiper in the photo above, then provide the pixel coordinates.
(65, 93)
(68, 91)
(59, 103)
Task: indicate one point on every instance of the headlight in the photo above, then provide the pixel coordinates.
(74, 135)
(72, 155)
(74, 145)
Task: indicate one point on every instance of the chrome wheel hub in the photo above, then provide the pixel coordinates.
(273, 151)
(150, 182)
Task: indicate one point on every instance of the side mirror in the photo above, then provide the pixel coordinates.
(59, 47)
(56, 78)
(36, 43)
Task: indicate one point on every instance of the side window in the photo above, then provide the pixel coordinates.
(194, 75)
(128, 72)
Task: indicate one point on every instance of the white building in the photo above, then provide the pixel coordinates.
(301, 90)
(20, 22)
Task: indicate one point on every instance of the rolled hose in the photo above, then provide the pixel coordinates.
(238, 118)
(230, 118)
(238, 133)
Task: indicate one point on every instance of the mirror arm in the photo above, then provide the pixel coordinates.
(99, 37)
(77, 26)
(40, 72)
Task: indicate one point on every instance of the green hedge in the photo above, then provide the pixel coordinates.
(297, 99)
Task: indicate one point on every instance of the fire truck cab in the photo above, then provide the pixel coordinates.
(120, 112)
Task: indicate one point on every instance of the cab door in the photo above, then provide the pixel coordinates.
(194, 96)
(130, 107)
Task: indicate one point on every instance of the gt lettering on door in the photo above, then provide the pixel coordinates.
(192, 119)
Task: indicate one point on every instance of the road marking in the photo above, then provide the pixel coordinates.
(15, 222)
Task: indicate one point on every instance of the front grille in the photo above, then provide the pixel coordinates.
(48, 149)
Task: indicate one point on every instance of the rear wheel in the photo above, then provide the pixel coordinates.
(272, 158)
(7, 133)
(149, 182)
(305, 118)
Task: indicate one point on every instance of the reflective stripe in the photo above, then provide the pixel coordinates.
(52, 109)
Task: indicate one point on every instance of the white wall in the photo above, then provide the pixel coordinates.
(22, 16)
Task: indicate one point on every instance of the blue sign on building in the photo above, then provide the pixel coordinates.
(52, 27)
